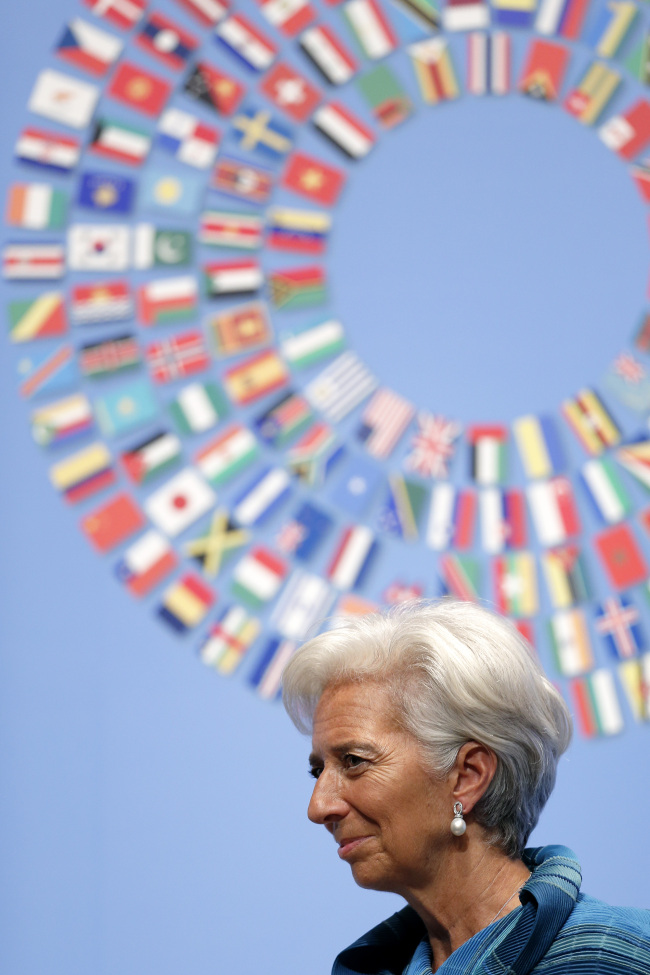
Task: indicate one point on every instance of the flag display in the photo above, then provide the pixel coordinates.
(357, 486)
(267, 675)
(465, 15)
(165, 40)
(313, 455)
(618, 621)
(594, 90)
(106, 193)
(596, 703)
(249, 45)
(258, 577)
(383, 422)
(460, 577)
(259, 131)
(221, 539)
(123, 143)
(543, 71)
(180, 502)
(571, 643)
(36, 206)
(33, 262)
(232, 278)
(432, 447)
(88, 47)
(354, 553)
(515, 584)
(46, 372)
(288, 16)
(566, 576)
(151, 457)
(401, 513)
(489, 62)
(610, 28)
(591, 422)
(621, 557)
(98, 359)
(488, 447)
(232, 177)
(298, 287)
(146, 563)
(187, 138)
(635, 678)
(39, 318)
(186, 603)
(62, 420)
(340, 387)
(312, 344)
(290, 91)
(232, 452)
(284, 420)
(562, 17)
(139, 89)
(305, 602)
(198, 408)
(62, 98)
(328, 54)
(628, 134)
(605, 491)
(240, 329)
(84, 473)
(47, 150)
(298, 230)
(154, 246)
(303, 534)
(219, 228)
(384, 93)
(313, 179)
(107, 301)
(255, 377)
(371, 27)
(503, 519)
(126, 408)
(183, 355)
(434, 70)
(539, 445)
(124, 14)
(452, 517)
(262, 497)
(213, 87)
(113, 523)
(553, 510)
(230, 638)
(99, 247)
(344, 130)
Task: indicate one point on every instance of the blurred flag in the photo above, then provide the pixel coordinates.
(515, 584)
(354, 553)
(186, 603)
(110, 356)
(220, 539)
(106, 193)
(229, 639)
(187, 138)
(566, 576)
(88, 47)
(434, 69)
(635, 458)
(488, 453)
(489, 62)
(340, 387)
(83, 474)
(111, 524)
(284, 419)
(262, 497)
(46, 372)
(460, 576)
(401, 513)
(604, 488)
(267, 674)
(553, 510)
(232, 278)
(313, 179)
(627, 379)
(596, 704)
(305, 603)
(290, 91)
(214, 88)
(167, 41)
(99, 247)
(240, 329)
(432, 447)
(312, 457)
(156, 247)
(328, 54)
(151, 457)
(629, 133)
(618, 621)
(298, 287)
(33, 262)
(503, 519)
(124, 143)
(544, 69)
(357, 485)
(36, 206)
(126, 408)
(180, 502)
(177, 357)
(47, 150)
(539, 445)
(120, 13)
(139, 89)
(344, 130)
(219, 228)
(621, 557)
(259, 131)
(180, 194)
(383, 422)
(371, 27)
(232, 177)
(635, 678)
(198, 408)
(37, 318)
(288, 16)
(258, 577)
(561, 17)
(387, 98)
(513, 13)
(594, 90)
(104, 301)
(452, 516)
(255, 377)
(298, 230)
(423, 12)
(570, 642)
(206, 12)
(610, 27)
(638, 62)
(230, 453)
(146, 563)
(240, 37)
(591, 422)
(305, 531)
(465, 15)
(312, 344)
(167, 301)
(63, 99)
(62, 420)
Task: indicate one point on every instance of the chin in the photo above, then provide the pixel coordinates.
(364, 876)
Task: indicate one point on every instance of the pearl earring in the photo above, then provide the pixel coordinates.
(458, 824)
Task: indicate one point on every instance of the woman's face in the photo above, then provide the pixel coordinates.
(389, 816)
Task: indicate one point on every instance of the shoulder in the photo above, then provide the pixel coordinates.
(386, 948)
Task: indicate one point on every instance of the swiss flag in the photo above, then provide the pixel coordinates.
(139, 89)
(314, 179)
(291, 92)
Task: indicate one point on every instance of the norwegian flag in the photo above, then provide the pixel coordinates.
(433, 445)
(618, 622)
(177, 357)
(629, 368)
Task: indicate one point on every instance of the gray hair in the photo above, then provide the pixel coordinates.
(457, 672)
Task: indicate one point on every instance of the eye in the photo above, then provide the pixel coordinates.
(352, 762)
(315, 771)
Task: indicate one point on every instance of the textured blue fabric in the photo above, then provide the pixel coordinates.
(556, 931)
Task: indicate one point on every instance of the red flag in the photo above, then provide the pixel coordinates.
(314, 179)
(112, 523)
(544, 70)
(621, 557)
(139, 89)
(291, 92)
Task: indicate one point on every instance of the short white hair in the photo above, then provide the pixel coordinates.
(456, 672)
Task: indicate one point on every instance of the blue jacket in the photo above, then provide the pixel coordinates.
(556, 931)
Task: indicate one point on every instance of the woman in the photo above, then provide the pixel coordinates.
(435, 741)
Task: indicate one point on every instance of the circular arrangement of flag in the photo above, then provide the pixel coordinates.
(241, 468)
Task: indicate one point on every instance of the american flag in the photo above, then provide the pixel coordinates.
(180, 356)
(383, 422)
(433, 445)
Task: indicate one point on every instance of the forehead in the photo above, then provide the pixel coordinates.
(354, 712)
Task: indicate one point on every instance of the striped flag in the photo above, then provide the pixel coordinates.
(513, 13)
(354, 553)
(121, 13)
(298, 287)
(543, 71)
(115, 140)
(37, 318)
(88, 48)
(104, 301)
(284, 420)
(45, 372)
(36, 206)
(198, 408)
(539, 446)
(635, 678)
(47, 150)
(305, 602)
(566, 576)
(151, 457)
(465, 15)
(638, 61)
(433, 446)
(571, 643)
(232, 278)
(515, 584)
(255, 377)
(206, 12)
(610, 28)
(596, 703)
(258, 576)
(635, 458)
(590, 97)
(288, 16)
(629, 133)
(489, 62)
(503, 519)
(253, 48)
(306, 231)
(340, 387)
(146, 563)
(452, 516)
(181, 501)
(312, 343)
(561, 17)
(240, 329)
(605, 490)
(591, 422)
(98, 359)
(83, 474)
(553, 510)
(460, 576)
(488, 445)
(223, 228)
(167, 301)
(234, 450)
(328, 54)
(423, 12)
(241, 180)
(384, 422)
(229, 639)
(267, 674)
(186, 603)
(177, 357)
(344, 130)
(61, 421)
(33, 262)
(262, 497)
(401, 513)
(618, 621)
(434, 69)
(187, 138)
(371, 28)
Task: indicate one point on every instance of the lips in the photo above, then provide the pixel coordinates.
(350, 844)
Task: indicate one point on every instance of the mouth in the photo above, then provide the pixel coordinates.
(348, 846)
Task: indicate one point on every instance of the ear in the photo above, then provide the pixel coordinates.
(472, 773)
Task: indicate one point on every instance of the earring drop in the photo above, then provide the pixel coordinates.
(458, 824)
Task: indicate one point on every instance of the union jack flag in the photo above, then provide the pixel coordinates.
(629, 368)
(618, 622)
(180, 356)
(433, 445)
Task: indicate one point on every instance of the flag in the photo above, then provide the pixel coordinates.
(124, 143)
(290, 91)
(434, 70)
(62, 421)
(432, 447)
(400, 516)
(357, 485)
(591, 422)
(106, 193)
(503, 519)
(249, 45)
(229, 639)
(167, 41)
(340, 387)
(33, 262)
(553, 510)
(627, 379)
(298, 230)
(232, 452)
(46, 372)
(539, 445)
(98, 247)
(298, 287)
(354, 553)
(635, 458)
(105, 301)
(561, 17)
(352, 605)
(187, 138)
(284, 419)
(167, 301)
(566, 576)
(258, 577)
(629, 133)
(88, 47)
(635, 678)
(198, 408)
(610, 27)
(621, 557)
(36, 206)
(328, 54)
(619, 623)
(400, 592)
(214, 88)
(47, 150)
(255, 377)
(267, 675)
(262, 497)
(388, 100)
(604, 489)
(37, 318)
(157, 247)
(145, 563)
(515, 584)
(371, 27)
(642, 335)
(126, 408)
(120, 13)
(344, 130)
(225, 229)
(180, 195)
(465, 15)
(383, 422)
(206, 12)
(139, 89)
(460, 576)
(220, 539)
(513, 13)
(83, 474)
(186, 603)
(304, 533)
(109, 356)
(452, 516)
(313, 179)
(242, 180)
(311, 344)
(63, 99)
(489, 60)
(180, 502)
(232, 278)
(146, 460)
(240, 329)
(288, 16)
(488, 446)
(598, 710)
(177, 357)
(638, 62)
(570, 642)
(259, 131)
(313, 456)
(543, 70)
(112, 523)
(304, 604)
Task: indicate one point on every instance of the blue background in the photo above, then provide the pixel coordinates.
(488, 259)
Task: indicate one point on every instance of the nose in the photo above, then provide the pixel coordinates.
(327, 806)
